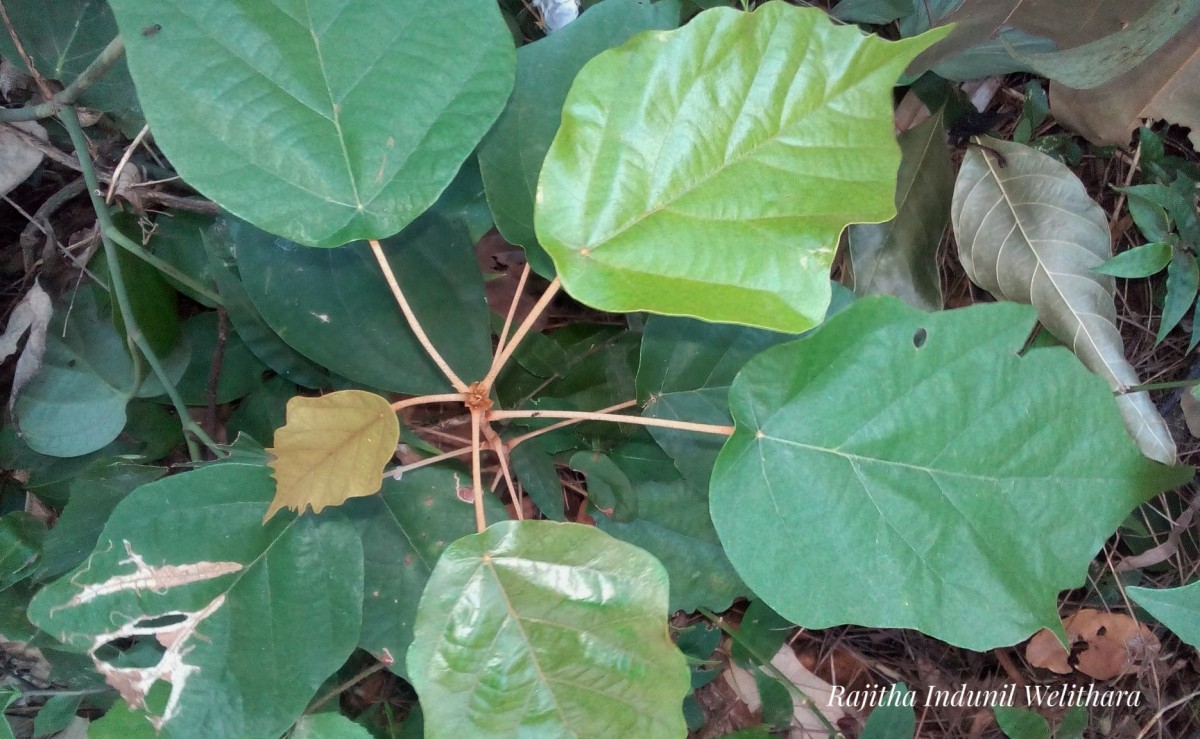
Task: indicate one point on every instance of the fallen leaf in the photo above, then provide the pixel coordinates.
(332, 448)
(1165, 86)
(1104, 646)
(32, 314)
(18, 159)
(806, 718)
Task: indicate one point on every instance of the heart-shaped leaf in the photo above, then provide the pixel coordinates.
(837, 512)
(648, 200)
(539, 628)
(1027, 231)
(1177, 608)
(326, 121)
(187, 561)
(332, 448)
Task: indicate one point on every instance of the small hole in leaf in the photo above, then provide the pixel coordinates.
(919, 338)
(158, 622)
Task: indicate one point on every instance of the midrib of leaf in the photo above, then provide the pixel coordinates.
(1008, 201)
(334, 108)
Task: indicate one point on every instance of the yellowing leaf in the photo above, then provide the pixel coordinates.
(332, 448)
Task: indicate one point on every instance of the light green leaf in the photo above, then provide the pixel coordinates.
(1021, 723)
(334, 307)
(808, 482)
(649, 201)
(404, 530)
(510, 157)
(538, 628)
(1027, 231)
(76, 402)
(1091, 65)
(274, 606)
(1140, 261)
(1176, 608)
(326, 121)
(899, 257)
(328, 726)
(332, 448)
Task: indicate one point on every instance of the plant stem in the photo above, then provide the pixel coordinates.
(71, 93)
(498, 446)
(427, 400)
(71, 121)
(430, 460)
(703, 428)
(110, 230)
(476, 475)
(1159, 386)
(513, 443)
(512, 309)
(534, 313)
(455, 381)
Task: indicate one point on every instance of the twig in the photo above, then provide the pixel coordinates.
(513, 443)
(1163, 712)
(400, 405)
(534, 313)
(512, 309)
(1158, 386)
(455, 381)
(112, 184)
(40, 220)
(496, 444)
(703, 428)
(71, 93)
(16, 39)
(476, 481)
(1133, 165)
(71, 121)
(460, 452)
(333, 693)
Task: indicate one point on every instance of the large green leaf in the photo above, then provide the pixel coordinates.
(76, 402)
(950, 494)
(511, 156)
(538, 628)
(325, 121)
(899, 257)
(1028, 231)
(709, 171)
(335, 308)
(404, 530)
(275, 607)
(672, 524)
(1177, 608)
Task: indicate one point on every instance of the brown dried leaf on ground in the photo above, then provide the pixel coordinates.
(1104, 646)
(1165, 86)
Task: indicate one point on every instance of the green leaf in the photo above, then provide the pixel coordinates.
(1183, 280)
(894, 720)
(1176, 608)
(176, 240)
(328, 726)
(1093, 64)
(608, 488)
(538, 628)
(275, 606)
(899, 257)
(673, 525)
(332, 448)
(21, 537)
(262, 411)
(760, 634)
(404, 530)
(534, 467)
(273, 351)
(647, 201)
(327, 121)
(57, 714)
(1148, 212)
(63, 38)
(1140, 261)
(76, 402)
(123, 722)
(1020, 723)
(240, 370)
(334, 307)
(152, 300)
(809, 484)
(1029, 232)
(873, 12)
(95, 493)
(511, 156)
